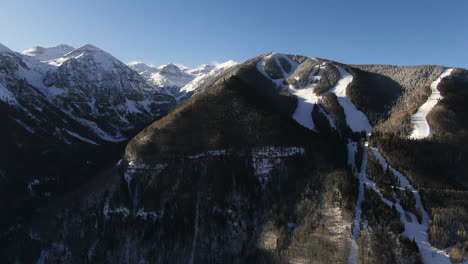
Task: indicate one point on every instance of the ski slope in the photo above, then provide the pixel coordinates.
(421, 126)
(413, 229)
(355, 119)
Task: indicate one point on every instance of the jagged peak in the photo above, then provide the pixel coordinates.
(88, 50)
(169, 68)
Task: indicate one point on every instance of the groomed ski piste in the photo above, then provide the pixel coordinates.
(413, 229)
(359, 122)
(421, 126)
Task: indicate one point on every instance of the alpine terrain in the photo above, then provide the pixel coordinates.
(279, 159)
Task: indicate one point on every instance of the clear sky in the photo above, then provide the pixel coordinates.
(202, 31)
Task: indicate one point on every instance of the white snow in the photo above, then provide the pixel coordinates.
(203, 78)
(21, 123)
(331, 121)
(261, 68)
(119, 211)
(413, 229)
(46, 54)
(145, 214)
(177, 79)
(306, 98)
(95, 128)
(170, 75)
(265, 159)
(106, 60)
(81, 138)
(355, 119)
(131, 106)
(276, 152)
(202, 69)
(421, 126)
(209, 153)
(7, 96)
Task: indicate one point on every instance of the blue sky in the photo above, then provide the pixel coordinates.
(196, 32)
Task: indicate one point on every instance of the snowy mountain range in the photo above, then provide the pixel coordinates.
(87, 84)
(180, 83)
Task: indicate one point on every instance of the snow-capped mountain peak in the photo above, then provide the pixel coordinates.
(202, 78)
(177, 80)
(46, 54)
(170, 69)
(202, 69)
(139, 67)
(89, 54)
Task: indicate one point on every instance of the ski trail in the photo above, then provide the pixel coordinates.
(362, 176)
(421, 126)
(413, 229)
(355, 119)
(195, 230)
(306, 100)
(358, 122)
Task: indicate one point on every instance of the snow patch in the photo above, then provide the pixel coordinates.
(7, 96)
(81, 138)
(31, 185)
(28, 128)
(46, 54)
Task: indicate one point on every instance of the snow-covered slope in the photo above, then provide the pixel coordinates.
(421, 126)
(51, 53)
(202, 69)
(203, 77)
(355, 119)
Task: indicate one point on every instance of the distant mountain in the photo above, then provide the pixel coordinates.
(45, 54)
(170, 79)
